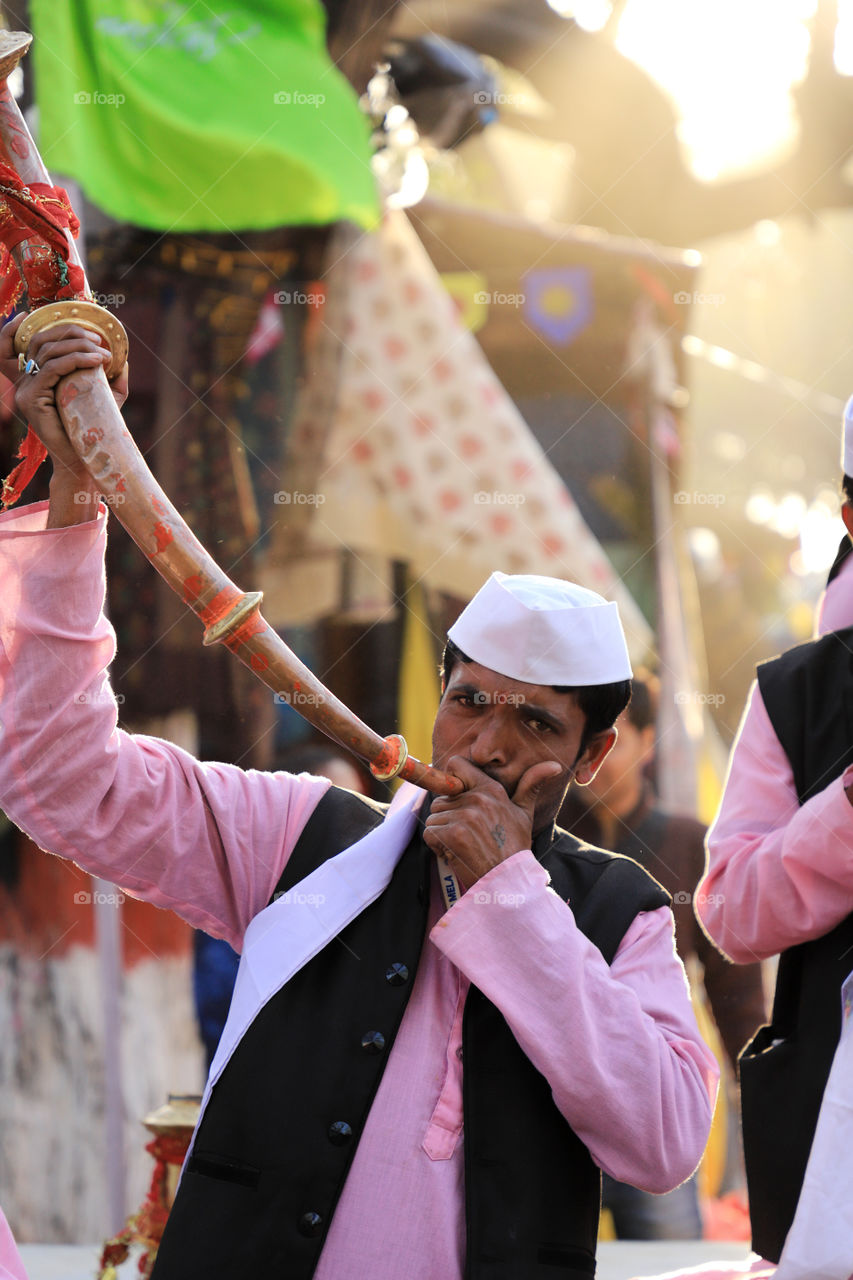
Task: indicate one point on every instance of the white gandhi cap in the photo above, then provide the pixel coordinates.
(543, 631)
(847, 440)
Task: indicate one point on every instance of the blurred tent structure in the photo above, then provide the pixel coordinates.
(421, 456)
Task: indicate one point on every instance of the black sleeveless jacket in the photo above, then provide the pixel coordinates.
(279, 1133)
(808, 693)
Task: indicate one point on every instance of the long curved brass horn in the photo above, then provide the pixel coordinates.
(101, 439)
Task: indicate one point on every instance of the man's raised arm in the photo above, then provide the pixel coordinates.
(207, 840)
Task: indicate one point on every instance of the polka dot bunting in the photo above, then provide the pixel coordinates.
(421, 422)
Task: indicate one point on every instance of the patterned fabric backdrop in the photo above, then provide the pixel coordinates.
(405, 444)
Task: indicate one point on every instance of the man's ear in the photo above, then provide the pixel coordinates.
(847, 517)
(595, 751)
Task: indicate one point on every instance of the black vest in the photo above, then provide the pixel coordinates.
(845, 548)
(279, 1133)
(808, 693)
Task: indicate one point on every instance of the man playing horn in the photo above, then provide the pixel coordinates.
(449, 1015)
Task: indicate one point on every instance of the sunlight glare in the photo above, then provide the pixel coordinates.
(843, 52)
(592, 15)
(819, 534)
(729, 66)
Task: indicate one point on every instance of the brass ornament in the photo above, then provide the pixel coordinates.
(180, 1112)
(397, 753)
(13, 46)
(233, 619)
(87, 314)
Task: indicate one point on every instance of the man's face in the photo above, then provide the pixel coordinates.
(504, 726)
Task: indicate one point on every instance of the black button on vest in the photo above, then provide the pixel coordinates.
(339, 1133)
(396, 975)
(310, 1224)
(373, 1042)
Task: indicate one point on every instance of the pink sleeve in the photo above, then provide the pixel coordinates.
(207, 840)
(778, 872)
(11, 1266)
(617, 1043)
(835, 607)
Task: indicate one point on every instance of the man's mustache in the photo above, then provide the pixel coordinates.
(509, 788)
(490, 773)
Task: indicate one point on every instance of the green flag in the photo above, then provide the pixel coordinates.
(188, 116)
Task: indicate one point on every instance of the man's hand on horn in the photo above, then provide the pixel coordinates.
(484, 826)
(53, 354)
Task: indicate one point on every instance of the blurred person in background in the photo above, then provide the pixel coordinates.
(619, 810)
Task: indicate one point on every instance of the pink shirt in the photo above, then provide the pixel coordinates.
(618, 1044)
(11, 1266)
(778, 872)
(835, 607)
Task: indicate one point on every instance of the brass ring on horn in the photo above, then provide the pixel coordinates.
(87, 314)
(392, 759)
